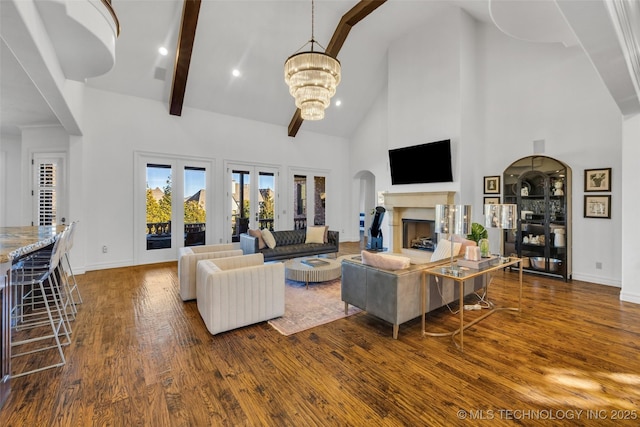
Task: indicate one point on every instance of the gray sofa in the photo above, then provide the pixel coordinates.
(394, 296)
(290, 244)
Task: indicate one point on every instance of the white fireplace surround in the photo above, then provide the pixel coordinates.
(419, 205)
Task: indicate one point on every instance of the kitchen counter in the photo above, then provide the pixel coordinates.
(18, 241)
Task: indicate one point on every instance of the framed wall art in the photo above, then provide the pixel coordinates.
(492, 200)
(597, 180)
(492, 184)
(597, 206)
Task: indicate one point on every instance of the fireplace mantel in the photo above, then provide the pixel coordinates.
(418, 205)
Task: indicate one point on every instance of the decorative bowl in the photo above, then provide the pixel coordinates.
(537, 262)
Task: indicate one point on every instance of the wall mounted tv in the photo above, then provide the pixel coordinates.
(421, 164)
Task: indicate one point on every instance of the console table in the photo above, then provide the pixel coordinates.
(459, 276)
(15, 242)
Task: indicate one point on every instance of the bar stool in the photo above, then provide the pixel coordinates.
(39, 321)
(73, 287)
(39, 261)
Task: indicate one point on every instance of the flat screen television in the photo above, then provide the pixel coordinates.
(420, 164)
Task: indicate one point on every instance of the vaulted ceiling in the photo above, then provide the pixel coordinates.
(256, 37)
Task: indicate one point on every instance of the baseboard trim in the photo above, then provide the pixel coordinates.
(597, 279)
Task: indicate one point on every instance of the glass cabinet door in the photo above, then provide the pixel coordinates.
(539, 185)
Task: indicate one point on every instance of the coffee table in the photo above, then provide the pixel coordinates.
(321, 270)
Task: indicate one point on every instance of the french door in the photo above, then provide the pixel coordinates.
(172, 208)
(252, 198)
(309, 198)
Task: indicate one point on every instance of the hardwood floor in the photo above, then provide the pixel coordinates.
(140, 356)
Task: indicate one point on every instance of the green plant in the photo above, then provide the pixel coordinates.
(478, 232)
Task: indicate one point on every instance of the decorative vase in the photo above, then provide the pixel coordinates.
(484, 248)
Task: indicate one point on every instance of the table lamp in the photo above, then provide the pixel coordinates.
(502, 216)
(453, 219)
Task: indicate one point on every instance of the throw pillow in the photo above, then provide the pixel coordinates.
(269, 240)
(464, 243)
(258, 234)
(384, 261)
(443, 250)
(315, 235)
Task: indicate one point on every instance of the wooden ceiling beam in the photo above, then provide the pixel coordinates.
(190, 12)
(348, 20)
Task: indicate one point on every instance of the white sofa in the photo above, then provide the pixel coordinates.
(189, 256)
(239, 291)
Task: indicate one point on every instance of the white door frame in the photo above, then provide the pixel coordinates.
(311, 204)
(254, 170)
(61, 185)
(177, 163)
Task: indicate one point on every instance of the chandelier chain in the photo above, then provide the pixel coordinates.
(312, 23)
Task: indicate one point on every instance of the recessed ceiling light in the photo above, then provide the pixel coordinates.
(163, 51)
(338, 103)
(235, 72)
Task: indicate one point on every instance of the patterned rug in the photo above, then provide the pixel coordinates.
(308, 308)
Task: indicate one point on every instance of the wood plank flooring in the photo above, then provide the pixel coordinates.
(140, 356)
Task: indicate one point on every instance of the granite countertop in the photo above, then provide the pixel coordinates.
(18, 241)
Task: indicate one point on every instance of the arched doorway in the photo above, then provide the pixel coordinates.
(365, 186)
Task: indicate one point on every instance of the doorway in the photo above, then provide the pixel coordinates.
(172, 208)
(252, 198)
(49, 183)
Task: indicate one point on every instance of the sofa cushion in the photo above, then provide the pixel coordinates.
(269, 240)
(315, 234)
(258, 234)
(384, 261)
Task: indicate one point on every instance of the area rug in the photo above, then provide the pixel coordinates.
(307, 308)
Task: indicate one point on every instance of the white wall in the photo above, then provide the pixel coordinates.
(116, 126)
(368, 151)
(630, 208)
(424, 91)
(457, 77)
(531, 91)
(11, 181)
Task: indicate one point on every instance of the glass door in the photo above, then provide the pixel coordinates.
(174, 210)
(195, 205)
(309, 199)
(252, 198)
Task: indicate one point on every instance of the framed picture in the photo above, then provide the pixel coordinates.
(492, 185)
(597, 179)
(492, 200)
(597, 206)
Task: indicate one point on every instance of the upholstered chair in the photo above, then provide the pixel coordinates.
(188, 258)
(239, 291)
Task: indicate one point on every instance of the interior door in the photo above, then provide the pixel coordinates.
(49, 195)
(252, 198)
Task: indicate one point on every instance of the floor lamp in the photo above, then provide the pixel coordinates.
(453, 219)
(502, 216)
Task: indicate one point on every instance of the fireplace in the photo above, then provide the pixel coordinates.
(418, 207)
(419, 234)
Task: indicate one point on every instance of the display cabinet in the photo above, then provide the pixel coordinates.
(541, 188)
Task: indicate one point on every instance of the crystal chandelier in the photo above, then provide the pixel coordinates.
(312, 78)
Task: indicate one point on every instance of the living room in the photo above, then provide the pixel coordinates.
(492, 95)
(452, 78)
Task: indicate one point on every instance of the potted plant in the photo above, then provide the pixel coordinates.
(479, 235)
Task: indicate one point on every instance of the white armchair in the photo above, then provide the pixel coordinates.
(239, 291)
(188, 258)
